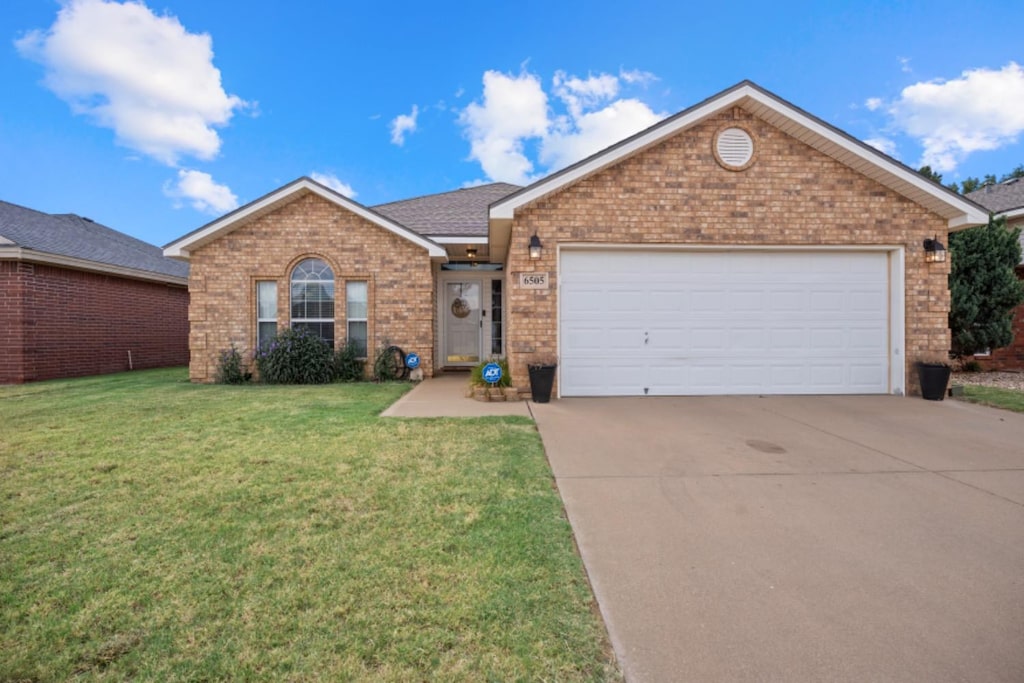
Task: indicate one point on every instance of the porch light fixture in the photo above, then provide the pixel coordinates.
(471, 252)
(934, 251)
(535, 247)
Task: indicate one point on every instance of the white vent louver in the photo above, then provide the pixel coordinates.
(734, 147)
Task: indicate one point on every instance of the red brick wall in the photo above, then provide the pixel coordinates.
(1012, 356)
(10, 323)
(70, 323)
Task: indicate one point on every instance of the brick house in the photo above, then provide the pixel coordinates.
(740, 246)
(78, 298)
(1006, 199)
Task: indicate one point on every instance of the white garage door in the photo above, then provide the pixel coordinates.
(636, 323)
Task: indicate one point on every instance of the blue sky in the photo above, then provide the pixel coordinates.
(155, 118)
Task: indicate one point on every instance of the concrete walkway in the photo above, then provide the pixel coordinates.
(445, 396)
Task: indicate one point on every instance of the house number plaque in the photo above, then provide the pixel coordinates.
(533, 280)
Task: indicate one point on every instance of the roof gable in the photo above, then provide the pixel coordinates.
(73, 241)
(958, 211)
(183, 246)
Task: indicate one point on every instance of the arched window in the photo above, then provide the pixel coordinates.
(312, 298)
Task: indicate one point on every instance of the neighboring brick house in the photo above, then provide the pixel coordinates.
(740, 246)
(78, 298)
(1006, 199)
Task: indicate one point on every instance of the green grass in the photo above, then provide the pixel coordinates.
(151, 529)
(1008, 399)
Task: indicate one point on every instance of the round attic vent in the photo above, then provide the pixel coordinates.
(734, 148)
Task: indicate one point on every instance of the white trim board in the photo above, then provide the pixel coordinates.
(181, 247)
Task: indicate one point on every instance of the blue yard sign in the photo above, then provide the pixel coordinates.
(412, 360)
(492, 373)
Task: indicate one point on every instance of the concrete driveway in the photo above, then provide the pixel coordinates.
(799, 538)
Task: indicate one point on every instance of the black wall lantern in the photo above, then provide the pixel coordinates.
(535, 247)
(934, 252)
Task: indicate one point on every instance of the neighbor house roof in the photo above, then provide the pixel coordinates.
(181, 247)
(459, 213)
(958, 211)
(1006, 197)
(76, 242)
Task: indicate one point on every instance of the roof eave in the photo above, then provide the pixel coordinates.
(47, 258)
(959, 212)
(182, 247)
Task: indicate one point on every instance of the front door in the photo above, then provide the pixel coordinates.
(462, 323)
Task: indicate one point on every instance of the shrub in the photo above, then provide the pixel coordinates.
(348, 366)
(296, 356)
(230, 369)
(476, 375)
(389, 364)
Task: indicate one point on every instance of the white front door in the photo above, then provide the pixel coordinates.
(462, 323)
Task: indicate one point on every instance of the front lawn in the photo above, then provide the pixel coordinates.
(155, 530)
(1008, 399)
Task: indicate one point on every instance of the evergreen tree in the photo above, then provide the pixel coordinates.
(983, 286)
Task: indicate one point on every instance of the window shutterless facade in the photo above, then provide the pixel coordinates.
(266, 312)
(312, 298)
(356, 303)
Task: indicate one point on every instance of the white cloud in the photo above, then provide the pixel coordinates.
(591, 132)
(515, 110)
(141, 74)
(980, 110)
(636, 76)
(905, 65)
(330, 180)
(873, 103)
(884, 145)
(200, 190)
(402, 125)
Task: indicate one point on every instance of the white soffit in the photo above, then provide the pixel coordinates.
(959, 212)
(181, 247)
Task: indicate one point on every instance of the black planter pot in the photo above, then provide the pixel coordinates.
(542, 378)
(934, 380)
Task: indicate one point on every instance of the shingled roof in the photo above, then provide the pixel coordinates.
(460, 213)
(26, 233)
(1002, 197)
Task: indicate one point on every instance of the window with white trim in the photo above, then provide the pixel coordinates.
(266, 312)
(356, 304)
(312, 298)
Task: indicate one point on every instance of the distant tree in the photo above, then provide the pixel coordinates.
(928, 173)
(969, 185)
(1015, 173)
(983, 286)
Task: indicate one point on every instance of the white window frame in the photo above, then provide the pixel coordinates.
(293, 321)
(349, 318)
(259, 320)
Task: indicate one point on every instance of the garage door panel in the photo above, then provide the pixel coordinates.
(724, 322)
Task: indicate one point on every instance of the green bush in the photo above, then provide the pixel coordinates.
(476, 375)
(230, 369)
(348, 366)
(296, 356)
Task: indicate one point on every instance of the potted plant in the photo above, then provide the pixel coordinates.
(933, 371)
(542, 378)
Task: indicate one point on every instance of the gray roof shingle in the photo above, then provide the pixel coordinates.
(459, 213)
(81, 238)
(1004, 196)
